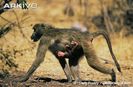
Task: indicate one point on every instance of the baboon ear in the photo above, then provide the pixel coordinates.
(47, 26)
(50, 26)
(42, 25)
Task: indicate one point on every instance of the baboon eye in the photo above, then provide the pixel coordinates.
(34, 29)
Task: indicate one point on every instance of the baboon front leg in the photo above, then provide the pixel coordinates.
(74, 67)
(66, 69)
(94, 62)
(42, 48)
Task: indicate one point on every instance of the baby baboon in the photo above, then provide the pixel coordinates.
(56, 39)
(70, 48)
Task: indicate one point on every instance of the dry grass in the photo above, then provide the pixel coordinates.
(52, 14)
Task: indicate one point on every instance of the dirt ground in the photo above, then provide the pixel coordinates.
(50, 74)
(49, 82)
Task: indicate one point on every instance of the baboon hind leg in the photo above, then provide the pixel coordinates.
(95, 63)
(65, 68)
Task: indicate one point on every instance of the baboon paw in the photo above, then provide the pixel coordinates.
(20, 80)
(113, 76)
(77, 81)
(69, 80)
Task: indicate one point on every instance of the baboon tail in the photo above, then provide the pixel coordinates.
(105, 35)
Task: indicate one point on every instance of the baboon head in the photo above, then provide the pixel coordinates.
(39, 30)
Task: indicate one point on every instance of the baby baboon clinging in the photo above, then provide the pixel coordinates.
(70, 49)
(56, 39)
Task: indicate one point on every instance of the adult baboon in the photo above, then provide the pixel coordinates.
(56, 39)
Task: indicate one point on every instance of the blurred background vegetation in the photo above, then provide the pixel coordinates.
(113, 16)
